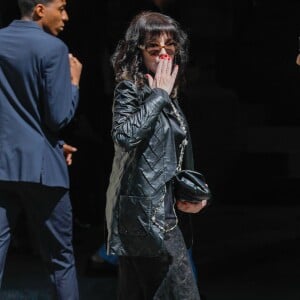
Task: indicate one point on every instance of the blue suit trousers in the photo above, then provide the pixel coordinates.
(49, 216)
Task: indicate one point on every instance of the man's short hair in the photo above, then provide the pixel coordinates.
(26, 6)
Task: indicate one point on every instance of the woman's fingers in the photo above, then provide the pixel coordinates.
(189, 207)
(164, 66)
(150, 80)
(169, 65)
(157, 76)
(174, 73)
(164, 76)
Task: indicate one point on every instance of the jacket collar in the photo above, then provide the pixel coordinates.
(23, 23)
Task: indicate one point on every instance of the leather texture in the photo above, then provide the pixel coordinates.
(145, 160)
(191, 186)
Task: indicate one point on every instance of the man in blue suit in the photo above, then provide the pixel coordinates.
(39, 95)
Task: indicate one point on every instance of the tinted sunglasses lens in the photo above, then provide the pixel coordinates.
(156, 51)
(170, 51)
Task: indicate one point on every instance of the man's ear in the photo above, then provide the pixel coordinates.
(38, 11)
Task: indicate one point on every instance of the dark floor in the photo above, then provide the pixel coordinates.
(241, 252)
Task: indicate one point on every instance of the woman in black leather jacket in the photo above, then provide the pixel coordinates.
(148, 130)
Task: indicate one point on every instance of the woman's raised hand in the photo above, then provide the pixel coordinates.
(165, 75)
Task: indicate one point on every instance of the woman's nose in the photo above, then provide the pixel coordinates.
(162, 51)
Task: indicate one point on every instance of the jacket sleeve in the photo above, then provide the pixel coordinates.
(134, 120)
(60, 97)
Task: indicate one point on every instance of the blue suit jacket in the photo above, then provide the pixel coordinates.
(37, 99)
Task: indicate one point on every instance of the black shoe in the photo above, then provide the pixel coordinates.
(96, 268)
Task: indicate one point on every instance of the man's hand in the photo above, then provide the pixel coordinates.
(189, 207)
(68, 152)
(75, 68)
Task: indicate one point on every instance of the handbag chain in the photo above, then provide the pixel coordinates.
(178, 168)
(153, 218)
(184, 141)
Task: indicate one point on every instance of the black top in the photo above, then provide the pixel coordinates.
(179, 136)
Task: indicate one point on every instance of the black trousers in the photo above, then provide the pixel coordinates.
(167, 277)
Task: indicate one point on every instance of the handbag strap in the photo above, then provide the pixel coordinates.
(185, 140)
(178, 168)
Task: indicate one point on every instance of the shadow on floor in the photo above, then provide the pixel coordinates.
(241, 252)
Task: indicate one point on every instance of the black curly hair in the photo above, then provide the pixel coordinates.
(127, 60)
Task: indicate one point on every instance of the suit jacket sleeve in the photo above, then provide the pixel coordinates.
(60, 97)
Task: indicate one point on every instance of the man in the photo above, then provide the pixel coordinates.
(39, 94)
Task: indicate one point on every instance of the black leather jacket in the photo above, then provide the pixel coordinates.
(145, 159)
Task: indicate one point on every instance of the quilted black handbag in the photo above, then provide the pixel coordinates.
(191, 186)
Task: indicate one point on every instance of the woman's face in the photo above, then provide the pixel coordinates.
(156, 48)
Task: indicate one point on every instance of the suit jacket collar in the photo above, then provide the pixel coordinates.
(23, 23)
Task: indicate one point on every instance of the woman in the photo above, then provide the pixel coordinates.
(148, 130)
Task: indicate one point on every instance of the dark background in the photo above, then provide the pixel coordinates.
(242, 103)
(242, 95)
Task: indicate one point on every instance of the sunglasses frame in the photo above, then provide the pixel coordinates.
(157, 49)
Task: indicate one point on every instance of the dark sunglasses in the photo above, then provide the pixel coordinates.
(155, 49)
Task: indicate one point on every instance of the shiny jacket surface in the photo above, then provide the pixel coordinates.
(145, 159)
